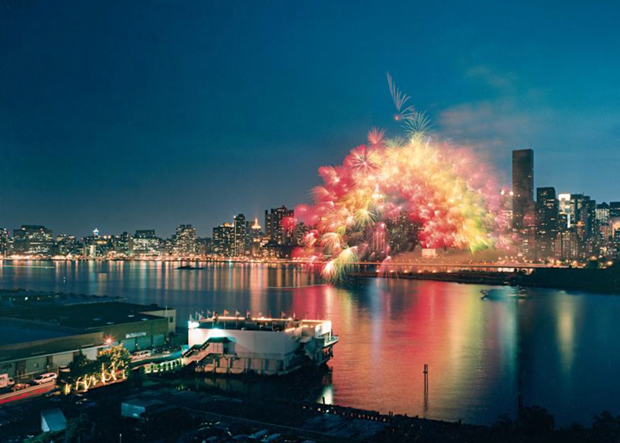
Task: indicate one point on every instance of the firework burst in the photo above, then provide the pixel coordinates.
(394, 195)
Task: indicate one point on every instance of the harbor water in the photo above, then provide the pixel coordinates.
(556, 349)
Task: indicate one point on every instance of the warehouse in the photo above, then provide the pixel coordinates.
(40, 339)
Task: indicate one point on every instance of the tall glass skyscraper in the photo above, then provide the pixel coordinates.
(522, 188)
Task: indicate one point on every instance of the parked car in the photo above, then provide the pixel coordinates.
(19, 386)
(45, 378)
(140, 355)
(6, 381)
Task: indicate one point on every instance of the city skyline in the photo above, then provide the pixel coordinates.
(109, 142)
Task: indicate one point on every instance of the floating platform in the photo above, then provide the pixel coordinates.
(264, 346)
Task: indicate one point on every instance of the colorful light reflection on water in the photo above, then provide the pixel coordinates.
(562, 349)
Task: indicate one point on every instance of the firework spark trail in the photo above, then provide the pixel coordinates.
(399, 193)
(400, 100)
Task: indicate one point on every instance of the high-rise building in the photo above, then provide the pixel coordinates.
(546, 222)
(523, 207)
(505, 208)
(603, 230)
(522, 188)
(184, 241)
(614, 209)
(241, 235)
(301, 230)
(567, 216)
(616, 244)
(123, 244)
(566, 246)
(280, 225)
(4, 242)
(68, 245)
(256, 238)
(204, 245)
(584, 209)
(33, 240)
(97, 245)
(146, 243)
(224, 240)
(602, 213)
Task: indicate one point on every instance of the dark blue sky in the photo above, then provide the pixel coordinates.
(127, 115)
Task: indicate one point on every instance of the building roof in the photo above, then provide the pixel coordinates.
(53, 420)
(84, 317)
(12, 333)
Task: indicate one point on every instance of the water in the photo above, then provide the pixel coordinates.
(561, 348)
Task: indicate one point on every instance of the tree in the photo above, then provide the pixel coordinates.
(78, 427)
(535, 420)
(111, 365)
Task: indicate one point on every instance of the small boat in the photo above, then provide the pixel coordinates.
(188, 268)
(504, 294)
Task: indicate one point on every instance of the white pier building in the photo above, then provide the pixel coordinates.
(269, 346)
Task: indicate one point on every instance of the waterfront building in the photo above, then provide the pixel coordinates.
(566, 216)
(224, 240)
(566, 246)
(97, 246)
(505, 208)
(123, 245)
(68, 246)
(522, 187)
(614, 209)
(4, 242)
(204, 245)
(280, 224)
(184, 241)
(301, 230)
(33, 240)
(256, 239)
(146, 243)
(616, 244)
(241, 235)
(40, 337)
(603, 229)
(523, 207)
(584, 209)
(602, 213)
(266, 346)
(546, 222)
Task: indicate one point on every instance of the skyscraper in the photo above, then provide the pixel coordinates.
(241, 235)
(567, 216)
(33, 240)
(522, 188)
(123, 244)
(278, 225)
(603, 230)
(184, 240)
(256, 237)
(4, 241)
(505, 208)
(523, 208)
(546, 222)
(584, 209)
(146, 243)
(224, 240)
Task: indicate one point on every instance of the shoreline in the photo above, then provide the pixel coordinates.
(599, 281)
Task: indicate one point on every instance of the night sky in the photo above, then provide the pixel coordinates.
(128, 115)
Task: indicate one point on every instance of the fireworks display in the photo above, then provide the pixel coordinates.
(393, 195)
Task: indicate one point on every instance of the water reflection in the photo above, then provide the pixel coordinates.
(558, 350)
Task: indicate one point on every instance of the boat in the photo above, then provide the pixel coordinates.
(188, 268)
(505, 294)
(264, 346)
